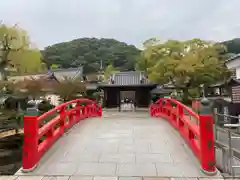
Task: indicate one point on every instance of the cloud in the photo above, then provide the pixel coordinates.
(132, 21)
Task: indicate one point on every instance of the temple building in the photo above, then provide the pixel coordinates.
(132, 85)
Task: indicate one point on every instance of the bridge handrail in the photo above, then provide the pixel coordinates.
(189, 110)
(83, 100)
(196, 129)
(64, 118)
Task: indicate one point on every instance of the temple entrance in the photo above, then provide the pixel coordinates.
(127, 101)
(127, 91)
(126, 98)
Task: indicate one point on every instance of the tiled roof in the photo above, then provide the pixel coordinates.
(43, 82)
(161, 90)
(58, 73)
(233, 57)
(230, 82)
(128, 78)
(53, 70)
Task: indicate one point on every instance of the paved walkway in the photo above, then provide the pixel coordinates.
(120, 145)
(98, 178)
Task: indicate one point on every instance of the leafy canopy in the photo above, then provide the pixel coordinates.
(69, 89)
(27, 61)
(15, 52)
(91, 53)
(109, 69)
(186, 64)
(233, 46)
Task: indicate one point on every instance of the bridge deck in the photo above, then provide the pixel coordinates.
(120, 144)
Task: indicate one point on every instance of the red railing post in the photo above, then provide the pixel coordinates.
(71, 117)
(62, 115)
(30, 145)
(157, 109)
(90, 110)
(81, 113)
(78, 111)
(99, 109)
(152, 109)
(86, 111)
(207, 149)
(94, 108)
(160, 108)
(180, 111)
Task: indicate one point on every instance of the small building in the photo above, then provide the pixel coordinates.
(59, 74)
(161, 92)
(226, 95)
(52, 76)
(234, 65)
(132, 85)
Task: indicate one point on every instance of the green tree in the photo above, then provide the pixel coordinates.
(27, 61)
(233, 46)
(54, 66)
(185, 64)
(90, 52)
(147, 58)
(69, 90)
(12, 39)
(109, 69)
(15, 53)
(29, 87)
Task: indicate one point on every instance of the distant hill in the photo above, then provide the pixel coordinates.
(89, 52)
(233, 46)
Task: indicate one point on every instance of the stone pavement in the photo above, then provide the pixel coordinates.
(119, 145)
(100, 178)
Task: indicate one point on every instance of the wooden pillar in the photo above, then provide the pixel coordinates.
(105, 98)
(220, 91)
(137, 98)
(149, 96)
(119, 99)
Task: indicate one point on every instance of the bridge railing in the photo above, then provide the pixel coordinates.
(196, 129)
(40, 132)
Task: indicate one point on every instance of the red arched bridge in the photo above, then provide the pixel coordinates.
(76, 139)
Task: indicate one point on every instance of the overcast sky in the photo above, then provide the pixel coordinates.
(131, 21)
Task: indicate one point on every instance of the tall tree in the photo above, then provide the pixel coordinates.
(69, 89)
(27, 61)
(109, 69)
(12, 40)
(186, 64)
(15, 52)
(29, 87)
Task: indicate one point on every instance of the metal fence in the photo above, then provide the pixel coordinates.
(227, 144)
